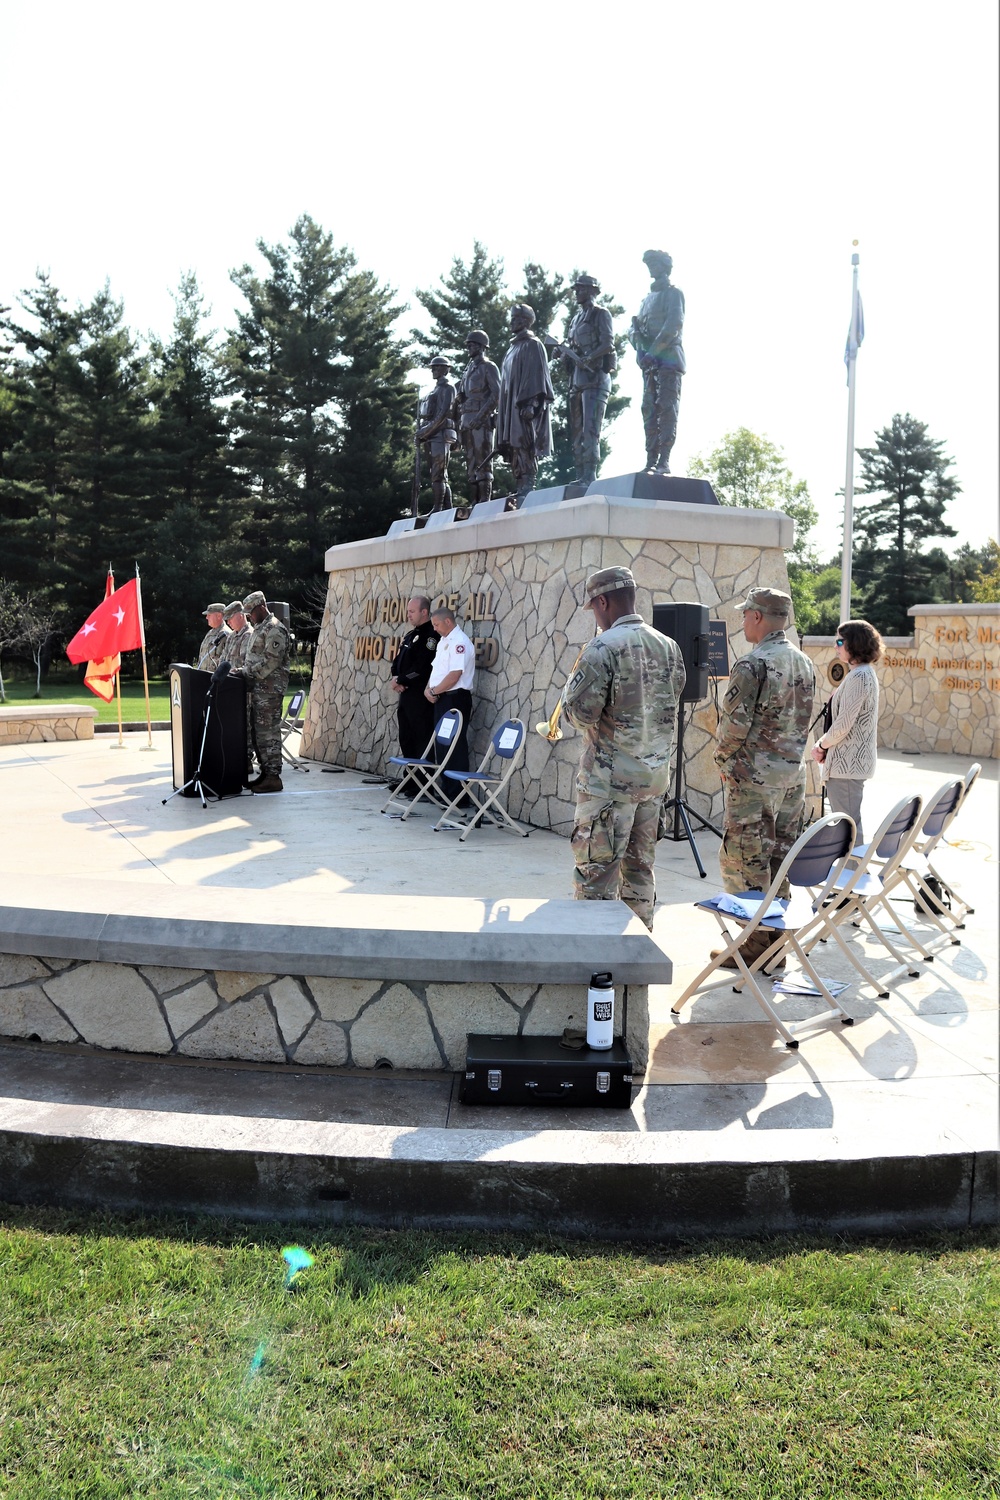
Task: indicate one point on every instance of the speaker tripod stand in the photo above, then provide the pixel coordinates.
(682, 810)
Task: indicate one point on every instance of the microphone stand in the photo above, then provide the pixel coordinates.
(200, 786)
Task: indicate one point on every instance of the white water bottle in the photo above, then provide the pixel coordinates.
(601, 1012)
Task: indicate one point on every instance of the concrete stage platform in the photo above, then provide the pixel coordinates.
(888, 1125)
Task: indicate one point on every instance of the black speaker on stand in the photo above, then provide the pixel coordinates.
(687, 624)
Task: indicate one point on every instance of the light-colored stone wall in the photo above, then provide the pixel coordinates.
(362, 1023)
(517, 581)
(27, 724)
(940, 687)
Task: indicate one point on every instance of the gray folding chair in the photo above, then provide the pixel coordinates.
(422, 773)
(816, 859)
(859, 893)
(483, 787)
(913, 871)
(289, 724)
(957, 908)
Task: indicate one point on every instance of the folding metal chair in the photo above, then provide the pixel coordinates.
(859, 893)
(506, 744)
(816, 859)
(289, 724)
(914, 871)
(959, 908)
(423, 772)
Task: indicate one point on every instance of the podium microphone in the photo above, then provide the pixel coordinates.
(222, 670)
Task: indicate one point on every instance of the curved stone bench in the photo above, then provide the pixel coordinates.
(353, 980)
(32, 723)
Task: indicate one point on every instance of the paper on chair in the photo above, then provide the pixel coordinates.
(746, 906)
(507, 740)
(446, 729)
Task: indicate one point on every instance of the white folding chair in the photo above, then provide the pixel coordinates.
(913, 871)
(507, 746)
(289, 724)
(422, 773)
(860, 892)
(959, 908)
(816, 859)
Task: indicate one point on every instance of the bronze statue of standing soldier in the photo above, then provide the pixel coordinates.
(437, 430)
(524, 431)
(656, 337)
(588, 356)
(477, 398)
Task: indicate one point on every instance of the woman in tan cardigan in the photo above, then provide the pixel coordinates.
(847, 751)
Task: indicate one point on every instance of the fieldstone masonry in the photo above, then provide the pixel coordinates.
(283, 1018)
(516, 583)
(36, 723)
(940, 687)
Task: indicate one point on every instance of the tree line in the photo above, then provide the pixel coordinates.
(224, 461)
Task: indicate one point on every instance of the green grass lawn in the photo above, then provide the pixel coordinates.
(71, 690)
(418, 1365)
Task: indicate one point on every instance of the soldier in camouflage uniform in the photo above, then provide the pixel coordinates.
(234, 650)
(266, 671)
(211, 649)
(624, 696)
(235, 653)
(760, 749)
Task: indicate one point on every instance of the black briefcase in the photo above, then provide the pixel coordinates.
(537, 1070)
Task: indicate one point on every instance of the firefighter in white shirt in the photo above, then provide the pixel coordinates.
(450, 683)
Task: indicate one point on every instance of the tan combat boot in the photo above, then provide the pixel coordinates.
(267, 784)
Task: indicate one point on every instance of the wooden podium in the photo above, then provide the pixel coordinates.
(224, 762)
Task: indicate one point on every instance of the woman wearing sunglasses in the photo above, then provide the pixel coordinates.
(847, 751)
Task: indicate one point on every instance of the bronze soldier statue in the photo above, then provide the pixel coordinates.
(588, 356)
(524, 431)
(656, 338)
(478, 394)
(437, 414)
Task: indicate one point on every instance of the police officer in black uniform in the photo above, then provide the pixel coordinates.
(410, 670)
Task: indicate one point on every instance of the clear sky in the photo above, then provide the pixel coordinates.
(755, 142)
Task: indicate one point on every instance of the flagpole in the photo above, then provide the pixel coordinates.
(145, 674)
(847, 556)
(118, 683)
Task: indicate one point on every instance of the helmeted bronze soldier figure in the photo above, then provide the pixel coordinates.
(588, 355)
(478, 395)
(524, 431)
(437, 430)
(656, 338)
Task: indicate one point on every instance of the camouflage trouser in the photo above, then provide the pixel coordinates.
(266, 730)
(760, 826)
(614, 845)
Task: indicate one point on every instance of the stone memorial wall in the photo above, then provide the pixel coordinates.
(516, 582)
(940, 687)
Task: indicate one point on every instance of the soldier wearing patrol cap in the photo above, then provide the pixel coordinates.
(235, 649)
(477, 397)
(266, 669)
(760, 749)
(624, 696)
(211, 648)
(437, 430)
(588, 356)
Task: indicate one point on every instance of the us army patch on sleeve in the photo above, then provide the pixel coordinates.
(734, 692)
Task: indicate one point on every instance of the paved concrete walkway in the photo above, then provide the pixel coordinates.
(917, 1075)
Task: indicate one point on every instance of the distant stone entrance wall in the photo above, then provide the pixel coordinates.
(516, 584)
(940, 687)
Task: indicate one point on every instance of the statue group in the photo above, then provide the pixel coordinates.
(505, 412)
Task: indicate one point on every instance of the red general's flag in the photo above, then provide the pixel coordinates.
(100, 675)
(112, 628)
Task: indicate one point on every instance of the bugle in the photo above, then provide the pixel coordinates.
(549, 728)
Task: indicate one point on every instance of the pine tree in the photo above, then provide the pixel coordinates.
(320, 416)
(195, 549)
(470, 296)
(908, 470)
